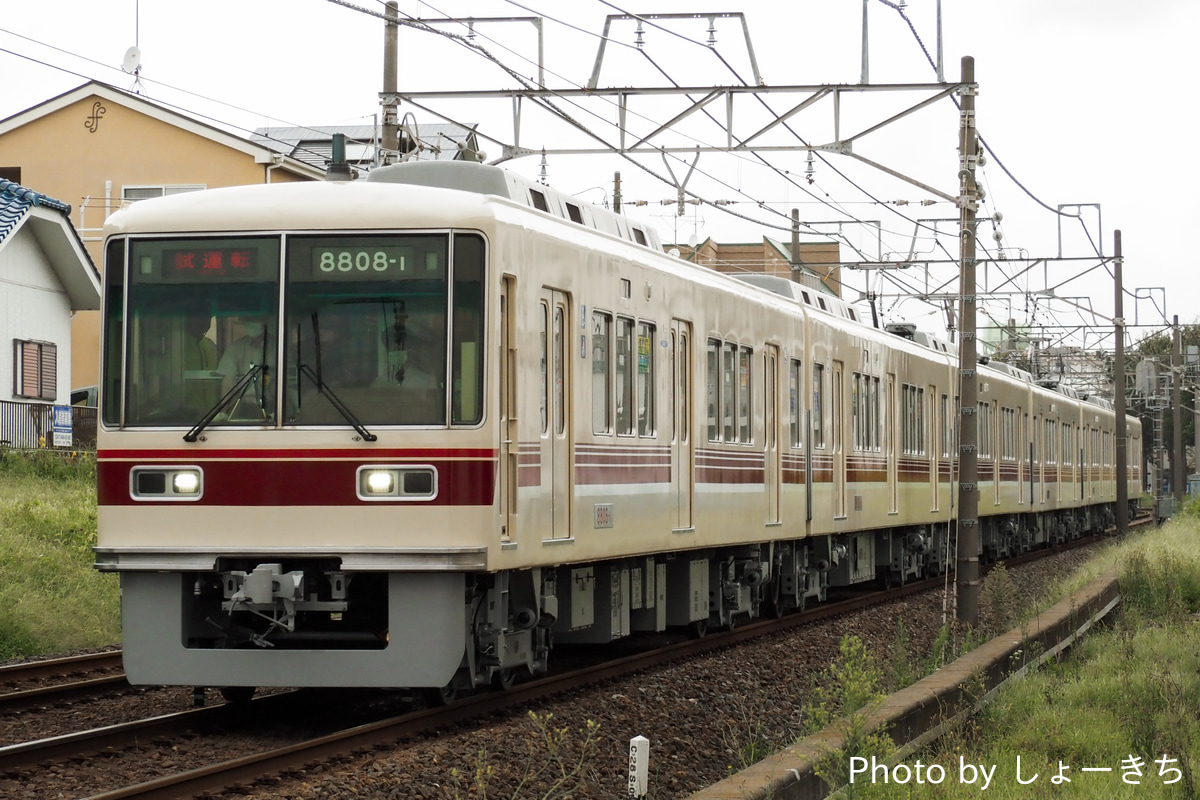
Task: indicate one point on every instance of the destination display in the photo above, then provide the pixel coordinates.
(202, 263)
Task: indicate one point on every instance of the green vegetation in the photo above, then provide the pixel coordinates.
(853, 682)
(51, 600)
(1124, 699)
(558, 766)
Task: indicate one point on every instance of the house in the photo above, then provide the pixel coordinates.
(98, 147)
(46, 276)
(101, 147)
(819, 266)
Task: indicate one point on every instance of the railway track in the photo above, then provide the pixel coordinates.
(60, 679)
(381, 733)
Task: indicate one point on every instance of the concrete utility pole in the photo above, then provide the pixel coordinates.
(967, 568)
(1119, 391)
(1178, 459)
(391, 127)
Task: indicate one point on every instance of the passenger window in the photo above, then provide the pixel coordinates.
(645, 379)
(601, 369)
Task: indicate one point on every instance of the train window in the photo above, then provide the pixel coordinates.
(574, 213)
(560, 366)
(946, 427)
(544, 394)
(913, 407)
(645, 379)
(639, 236)
(114, 315)
(712, 386)
(985, 430)
(601, 370)
(794, 389)
(539, 200)
(623, 376)
(728, 393)
(200, 320)
(818, 406)
(745, 359)
(368, 320)
(864, 411)
(874, 401)
(1008, 438)
(466, 365)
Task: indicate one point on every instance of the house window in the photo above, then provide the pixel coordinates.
(36, 370)
(11, 174)
(133, 193)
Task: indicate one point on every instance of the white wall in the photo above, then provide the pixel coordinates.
(33, 305)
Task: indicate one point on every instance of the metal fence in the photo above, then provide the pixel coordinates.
(30, 426)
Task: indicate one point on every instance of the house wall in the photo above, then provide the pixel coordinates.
(33, 306)
(74, 152)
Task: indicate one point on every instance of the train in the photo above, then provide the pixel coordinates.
(416, 430)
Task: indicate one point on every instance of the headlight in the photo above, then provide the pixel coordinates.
(379, 481)
(387, 482)
(166, 483)
(186, 482)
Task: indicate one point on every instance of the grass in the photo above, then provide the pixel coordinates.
(51, 599)
(1125, 698)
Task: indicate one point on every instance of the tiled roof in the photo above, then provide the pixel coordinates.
(15, 200)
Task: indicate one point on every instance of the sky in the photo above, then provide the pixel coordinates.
(1083, 104)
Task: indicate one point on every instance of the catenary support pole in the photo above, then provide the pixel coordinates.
(1178, 459)
(391, 127)
(1119, 391)
(967, 565)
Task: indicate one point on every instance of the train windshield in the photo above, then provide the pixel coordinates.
(185, 297)
(375, 330)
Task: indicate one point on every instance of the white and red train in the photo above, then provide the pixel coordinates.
(411, 431)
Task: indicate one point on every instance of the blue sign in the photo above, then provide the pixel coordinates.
(62, 426)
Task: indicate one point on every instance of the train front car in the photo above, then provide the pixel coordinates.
(296, 470)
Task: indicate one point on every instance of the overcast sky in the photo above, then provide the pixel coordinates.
(1086, 102)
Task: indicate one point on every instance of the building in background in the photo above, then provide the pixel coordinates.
(46, 278)
(819, 266)
(97, 147)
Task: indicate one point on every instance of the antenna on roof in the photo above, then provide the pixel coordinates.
(133, 56)
(133, 65)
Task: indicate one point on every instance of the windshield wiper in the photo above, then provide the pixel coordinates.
(336, 402)
(236, 391)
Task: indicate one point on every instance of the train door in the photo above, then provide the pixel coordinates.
(683, 455)
(1039, 463)
(931, 440)
(889, 439)
(509, 460)
(557, 484)
(839, 453)
(772, 465)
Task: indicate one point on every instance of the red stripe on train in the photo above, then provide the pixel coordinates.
(364, 453)
(294, 482)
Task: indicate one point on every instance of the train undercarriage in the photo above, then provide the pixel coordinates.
(250, 621)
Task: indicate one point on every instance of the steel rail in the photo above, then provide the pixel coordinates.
(64, 691)
(29, 670)
(71, 745)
